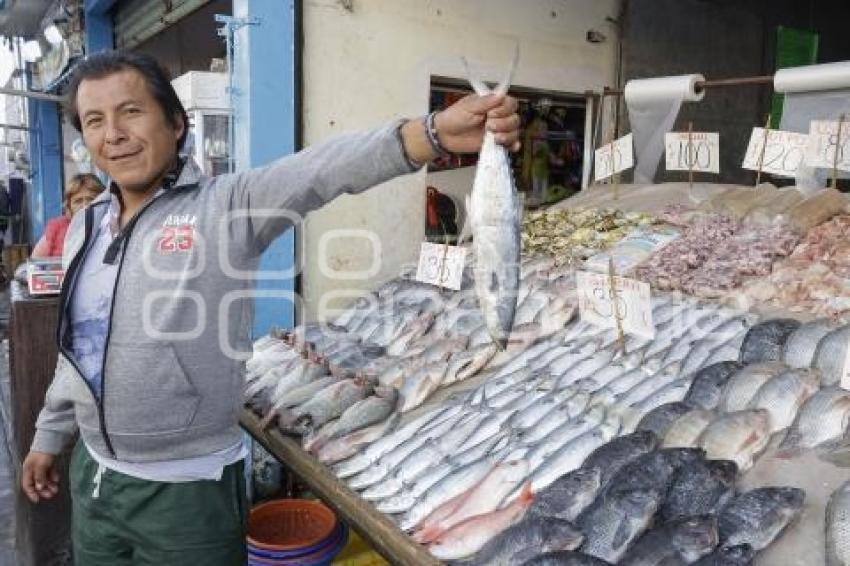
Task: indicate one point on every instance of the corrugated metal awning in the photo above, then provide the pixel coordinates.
(139, 20)
(22, 17)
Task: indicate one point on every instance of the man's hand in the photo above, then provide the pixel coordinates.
(39, 477)
(460, 127)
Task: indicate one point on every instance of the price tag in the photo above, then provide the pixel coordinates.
(824, 143)
(614, 157)
(597, 305)
(441, 265)
(782, 155)
(699, 153)
(845, 375)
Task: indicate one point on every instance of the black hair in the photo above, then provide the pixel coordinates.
(158, 80)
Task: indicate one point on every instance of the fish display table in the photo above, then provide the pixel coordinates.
(564, 395)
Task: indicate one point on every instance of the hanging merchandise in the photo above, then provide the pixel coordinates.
(815, 92)
(653, 106)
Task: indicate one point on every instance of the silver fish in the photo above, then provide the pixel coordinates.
(740, 436)
(346, 446)
(364, 413)
(823, 419)
(571, 456)
(415, 388)
(327, 404)
(838, 527)
(801, 346)
(494, 215)
(387, 443)
(743, 385)
(784, 394)
(685, 431)
(455, 483)
(831, 353)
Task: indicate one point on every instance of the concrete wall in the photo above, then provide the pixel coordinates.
(372, 64)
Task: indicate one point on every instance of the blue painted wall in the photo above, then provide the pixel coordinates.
(45, 200)
(265, 124)
(99, 34)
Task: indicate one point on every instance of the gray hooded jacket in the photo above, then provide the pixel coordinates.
(172, 379)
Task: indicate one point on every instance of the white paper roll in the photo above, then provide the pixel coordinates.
(647, 91)
(829, 76)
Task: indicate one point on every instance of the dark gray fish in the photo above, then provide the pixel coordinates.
(699, 488)
(681, 542)
(528, 538)
(616, 453)
(739, 555)
(653, 471)
(801, 346)
(765, 341)
(707, 388)
(758, 516)
(567, 496)
(565, 558)
(615, 520)
(660, 419)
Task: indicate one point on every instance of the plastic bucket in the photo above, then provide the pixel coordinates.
(320, 557)
(290, 531)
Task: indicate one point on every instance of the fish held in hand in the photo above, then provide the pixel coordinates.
(493, 211)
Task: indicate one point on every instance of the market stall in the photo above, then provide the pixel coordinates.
(649, 387)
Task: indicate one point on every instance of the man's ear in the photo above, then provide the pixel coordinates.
(180, 126)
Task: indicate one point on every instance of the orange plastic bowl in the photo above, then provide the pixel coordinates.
(290, 524)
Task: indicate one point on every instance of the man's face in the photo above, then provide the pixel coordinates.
(126, 131)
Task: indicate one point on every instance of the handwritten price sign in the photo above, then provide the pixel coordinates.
(441, 265)
(826, 148)
(614, 157)
(599, 304)
(783, 154)
(697, 151)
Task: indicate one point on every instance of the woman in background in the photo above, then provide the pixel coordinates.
(81, 190)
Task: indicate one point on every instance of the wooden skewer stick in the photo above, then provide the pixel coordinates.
(615, 302)
(613, 168)
(837, 148)
(689, 156)
(763, 147)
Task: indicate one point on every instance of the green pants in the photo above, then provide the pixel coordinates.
(131, 521)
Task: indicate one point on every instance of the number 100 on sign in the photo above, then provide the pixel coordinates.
(697, 151)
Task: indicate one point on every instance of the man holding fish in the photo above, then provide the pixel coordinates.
(156, 476)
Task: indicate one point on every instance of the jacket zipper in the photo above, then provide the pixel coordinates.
(101, 407)
(63, 305)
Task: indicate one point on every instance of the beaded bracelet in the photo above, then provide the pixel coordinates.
(433, 139)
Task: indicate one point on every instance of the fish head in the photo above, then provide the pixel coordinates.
(724, 471)
(738, 555)
(694, 537)
(582, 480)
(643, 439)
(678, 457)
(789, 498)
(639, 502)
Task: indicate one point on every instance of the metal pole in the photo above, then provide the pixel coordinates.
(742, 81)
(32, 94)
